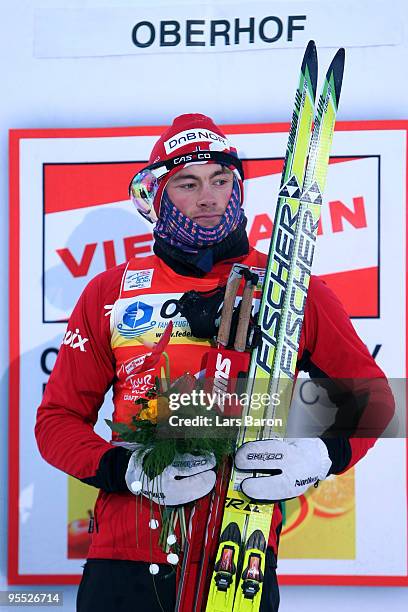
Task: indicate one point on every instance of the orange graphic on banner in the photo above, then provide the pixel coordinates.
(81, 501)
(321, 523)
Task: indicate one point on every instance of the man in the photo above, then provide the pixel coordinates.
(193, 191)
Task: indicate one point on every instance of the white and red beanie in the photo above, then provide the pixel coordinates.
(186, 139)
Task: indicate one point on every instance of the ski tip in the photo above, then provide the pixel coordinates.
(341, 52)
(311, 47)
(310, 55)
(309, 63)
(336, 71)
(339, 58)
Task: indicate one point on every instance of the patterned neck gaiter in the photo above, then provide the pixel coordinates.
(185, 234)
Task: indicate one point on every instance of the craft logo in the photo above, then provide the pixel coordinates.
(136, 320)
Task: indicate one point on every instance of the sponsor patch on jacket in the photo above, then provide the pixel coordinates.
(138, 279)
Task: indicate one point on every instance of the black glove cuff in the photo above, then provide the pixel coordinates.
(110, 475)
(339, 450)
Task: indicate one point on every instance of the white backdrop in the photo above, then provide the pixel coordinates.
(250, 86)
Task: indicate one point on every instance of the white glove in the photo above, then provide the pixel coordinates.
(293, 466)
(188, 478)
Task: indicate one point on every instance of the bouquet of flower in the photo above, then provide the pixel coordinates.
(158, 442)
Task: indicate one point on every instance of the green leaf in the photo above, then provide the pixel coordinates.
(120, 428)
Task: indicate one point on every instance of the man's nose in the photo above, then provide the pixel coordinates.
(206, 196)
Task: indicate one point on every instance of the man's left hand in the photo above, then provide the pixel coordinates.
(291, 467)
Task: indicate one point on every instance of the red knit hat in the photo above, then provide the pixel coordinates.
(192, 138)
(190, 133)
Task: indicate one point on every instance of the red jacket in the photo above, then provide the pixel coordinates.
(85, 369)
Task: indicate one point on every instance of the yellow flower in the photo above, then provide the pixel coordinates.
(149, 413)
(157, 409)
(163, 410)
(152, 406)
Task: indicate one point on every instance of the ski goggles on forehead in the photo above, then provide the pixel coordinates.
(145, 184)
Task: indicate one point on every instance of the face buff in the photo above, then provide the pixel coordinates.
(185, 234)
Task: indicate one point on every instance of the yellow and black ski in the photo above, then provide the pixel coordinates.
(237, 577)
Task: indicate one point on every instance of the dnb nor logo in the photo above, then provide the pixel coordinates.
(136, 320)
(196, 135)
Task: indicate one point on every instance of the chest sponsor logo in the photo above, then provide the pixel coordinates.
(136, 320)
(137, 317)
(75, 340)
(138, 279)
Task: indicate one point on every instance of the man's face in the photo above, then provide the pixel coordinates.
(202, 192)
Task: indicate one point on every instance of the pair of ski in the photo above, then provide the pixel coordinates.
(237, 578)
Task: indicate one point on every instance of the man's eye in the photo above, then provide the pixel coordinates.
(187, 186)
(221, 182)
